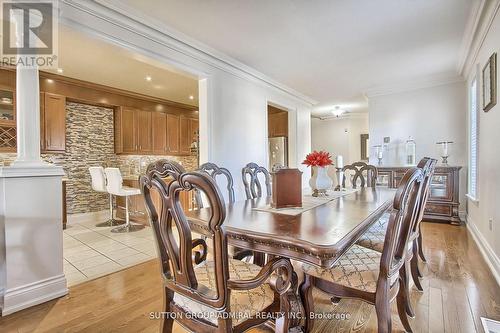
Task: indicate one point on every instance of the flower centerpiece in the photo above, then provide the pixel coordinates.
(319, 161)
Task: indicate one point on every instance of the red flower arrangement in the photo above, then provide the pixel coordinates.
(318, 158)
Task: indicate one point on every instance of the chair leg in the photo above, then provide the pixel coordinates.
(400, 299)
(168, 321)
(111, 222)
(307, 300)
(420, 246)
(415, 272)
(404, 274)
(127, 227)
(383, 310)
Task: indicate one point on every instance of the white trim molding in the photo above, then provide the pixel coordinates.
(410, 85)
(123, 16)
(23, 297)
(485, 17)
(489, 255)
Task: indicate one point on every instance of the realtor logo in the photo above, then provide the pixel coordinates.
(29, 33)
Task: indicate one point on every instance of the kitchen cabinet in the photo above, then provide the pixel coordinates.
(185, 135)
(159, 132)
(443, 202)
(144, 132)
(173, 134)
(53, 123)
(277, 124)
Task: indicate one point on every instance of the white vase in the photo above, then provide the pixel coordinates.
(320, 180)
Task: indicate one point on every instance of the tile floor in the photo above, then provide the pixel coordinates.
(91, 252)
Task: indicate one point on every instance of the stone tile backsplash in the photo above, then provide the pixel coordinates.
(90, 142)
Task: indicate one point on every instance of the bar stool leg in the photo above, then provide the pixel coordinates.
(127, 227)
(111, 222)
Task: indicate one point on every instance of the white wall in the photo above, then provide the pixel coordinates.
(429, 115)
(233, 102)
(488, 206)
(339, 136)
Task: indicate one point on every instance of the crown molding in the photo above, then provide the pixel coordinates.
(468, 37)
(410, 85)
(485, 19)
(124, 17)
(347, 115)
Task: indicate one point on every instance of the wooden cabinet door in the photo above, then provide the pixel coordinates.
(173, 134)
(128, 130)
(185, 135)
(54, 123)
(144, 131)
(277, 124)
(194, 129)
(159, 132)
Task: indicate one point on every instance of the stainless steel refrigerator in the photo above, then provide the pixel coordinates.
(278, 152)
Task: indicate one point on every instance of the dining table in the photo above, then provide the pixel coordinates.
(317, 236)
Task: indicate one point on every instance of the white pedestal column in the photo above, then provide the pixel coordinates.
(31, 257)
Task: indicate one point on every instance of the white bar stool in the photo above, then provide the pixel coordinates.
(98, 178)
(115, 186)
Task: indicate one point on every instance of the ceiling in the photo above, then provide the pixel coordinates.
(93, 60)
(331, 50)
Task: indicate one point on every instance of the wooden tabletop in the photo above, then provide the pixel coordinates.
(318, 236)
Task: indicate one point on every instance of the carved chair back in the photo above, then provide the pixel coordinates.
(403, 214)
(428, 165)
(253, 187)
(359, 169)
(168, 178)
(213, 170)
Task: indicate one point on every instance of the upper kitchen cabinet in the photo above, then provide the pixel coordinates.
(173, 134)
(8, 139)
(53, 123)
(277, 122)
(185, 135)
(144, 132)
(159, 132)
(133, 131)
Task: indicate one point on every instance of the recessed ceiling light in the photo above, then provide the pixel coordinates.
(50, 81)
(148, 78)
(191, 97)
(60, 70)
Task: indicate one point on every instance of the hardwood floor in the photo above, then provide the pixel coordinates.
(459, 289)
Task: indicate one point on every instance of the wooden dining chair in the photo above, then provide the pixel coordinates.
(250, 176)
(366, 274)
(208, 295)
(359, 169)
(213, 170)
(374, 237)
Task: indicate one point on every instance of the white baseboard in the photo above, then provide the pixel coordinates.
(23, 297)
(489, 255)
(101, 215)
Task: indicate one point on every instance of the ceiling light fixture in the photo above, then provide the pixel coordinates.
(337, 112)
(148, 78)
(191, 97)
(50, 81)
(60, 70)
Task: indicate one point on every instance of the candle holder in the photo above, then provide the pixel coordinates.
(444, 151)
(379, 150)
(339, 174)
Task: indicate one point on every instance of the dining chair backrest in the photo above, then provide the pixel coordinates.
(213, 170)
(176, 256)
(402, 217)
(98, 178)
(250, 176)
(360, 169)
(428, 165)
(114, 180)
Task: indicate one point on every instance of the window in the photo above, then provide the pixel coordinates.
(473, 139)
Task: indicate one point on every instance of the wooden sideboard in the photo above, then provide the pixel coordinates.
(443, 202)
